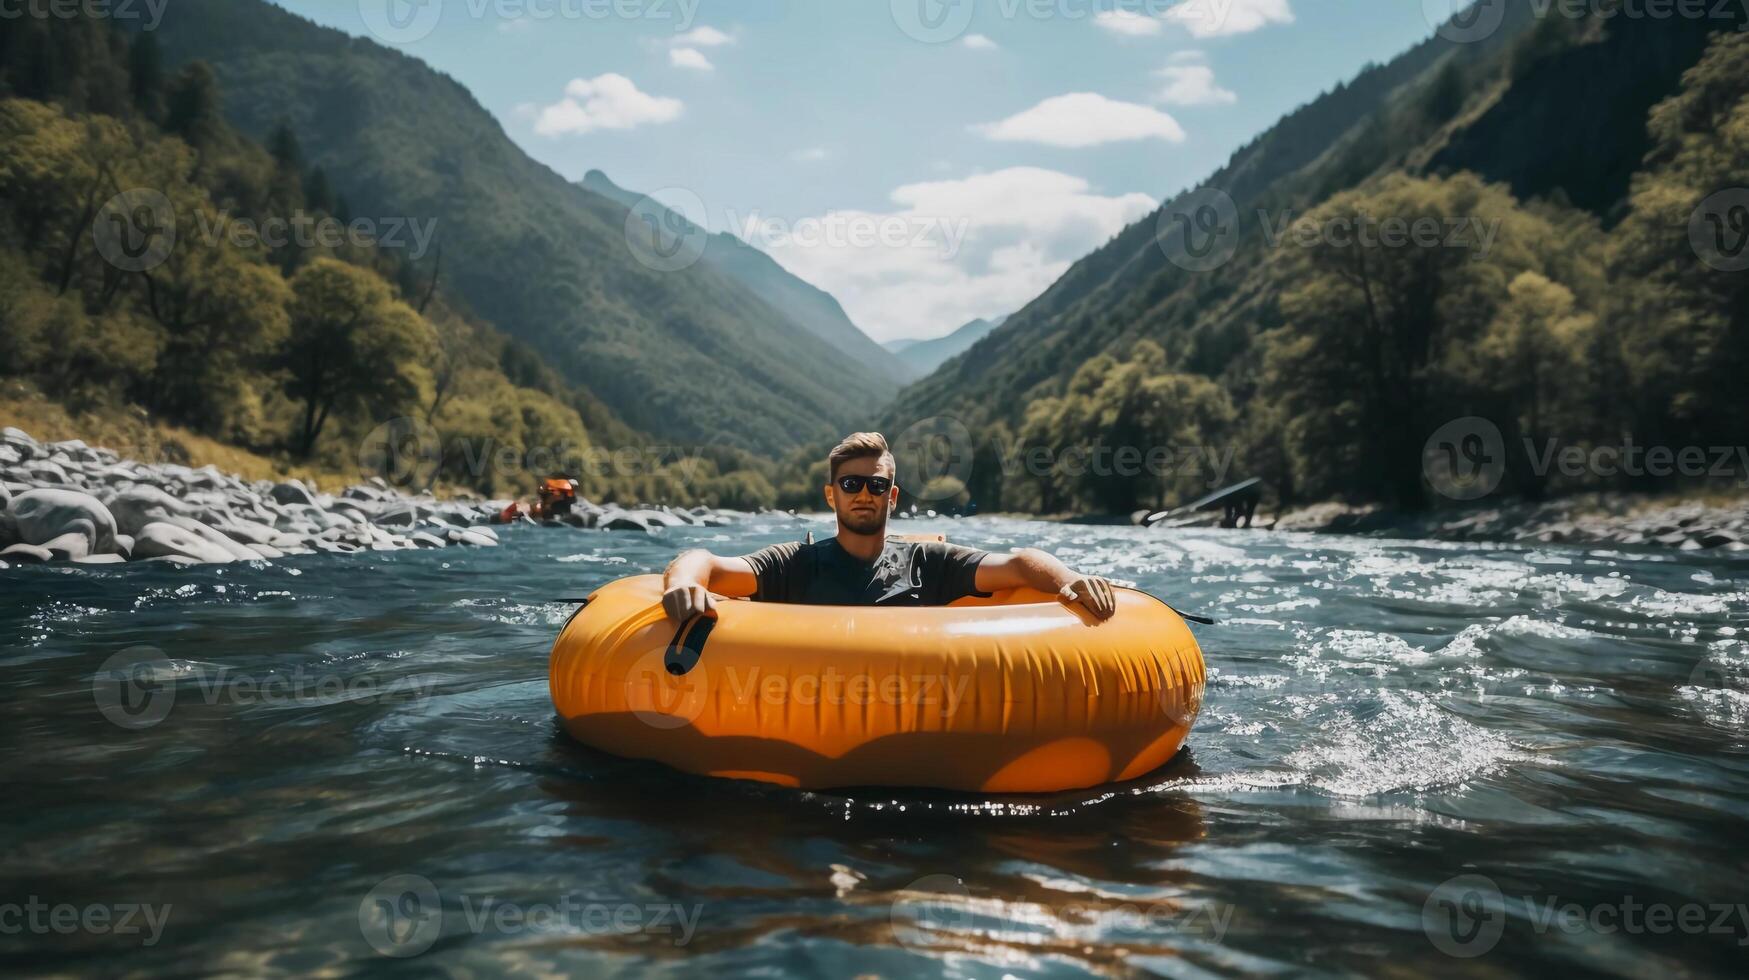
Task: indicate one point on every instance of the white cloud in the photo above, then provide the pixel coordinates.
(1192, 85)
(975, 246)
(702, 37)
(978, 42)
(690, 58)
(1219, 18)
(1127, 22)
(1082, 119)
(812, 154)
(607, 101)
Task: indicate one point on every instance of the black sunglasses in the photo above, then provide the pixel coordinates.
(877, 485)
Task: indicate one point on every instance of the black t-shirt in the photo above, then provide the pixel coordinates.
(907, 573)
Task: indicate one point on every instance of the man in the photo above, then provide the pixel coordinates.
(555, 499)
(861, 566)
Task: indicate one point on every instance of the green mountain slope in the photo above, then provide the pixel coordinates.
(1564, 165)
(688, 355)
(924, 356)
(1127, 290)
(803, 303)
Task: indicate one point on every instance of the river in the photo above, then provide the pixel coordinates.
(1414, 757)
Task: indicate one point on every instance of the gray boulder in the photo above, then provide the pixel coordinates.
(620, 520)
(636, 520)
(207, 478)
(27, 554)
(44, 515)
(1716, 538)
(472, 537)
(20, 441)
(46, 471)
(401, 515)
(136, 507)
(124, 545)
(100, 560)
(246, 532)
(75, 450)
(363, 493)
(292, 492)
(161, 540)
(425, 539)
(71, 546)
(237, 551)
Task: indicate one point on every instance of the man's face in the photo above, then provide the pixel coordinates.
(862, 512)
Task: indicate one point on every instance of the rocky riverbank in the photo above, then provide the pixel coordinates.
(69, 502)
(1591, 518)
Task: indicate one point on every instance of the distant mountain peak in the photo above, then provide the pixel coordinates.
(924, 356)
(809, 306)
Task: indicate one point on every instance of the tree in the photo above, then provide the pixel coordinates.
(1371, 309)
(224, 314)
(146, 75)
(192, 106)
(1528, 360)
(353, 346)
(1682, 320)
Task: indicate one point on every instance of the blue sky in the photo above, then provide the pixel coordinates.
(926, 161)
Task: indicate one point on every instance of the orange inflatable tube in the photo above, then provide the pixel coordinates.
(1016, 693)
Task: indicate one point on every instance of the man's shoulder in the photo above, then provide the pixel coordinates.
(776, 554)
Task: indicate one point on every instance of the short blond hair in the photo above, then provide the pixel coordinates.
(859, 445)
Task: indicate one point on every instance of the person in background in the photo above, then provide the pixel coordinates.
(553, 500)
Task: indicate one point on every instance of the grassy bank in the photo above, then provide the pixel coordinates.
(129, 432)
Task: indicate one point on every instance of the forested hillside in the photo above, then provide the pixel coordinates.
(688, 355)
(139, 271)
(1560, 163)
(803, 304)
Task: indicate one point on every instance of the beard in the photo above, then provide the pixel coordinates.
(873, 523)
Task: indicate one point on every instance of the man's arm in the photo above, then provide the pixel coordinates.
(694, 575)
(1035, 569)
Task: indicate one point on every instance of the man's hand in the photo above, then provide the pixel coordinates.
(682, 602)
(1092, 593)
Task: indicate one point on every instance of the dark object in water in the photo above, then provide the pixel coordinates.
(1239, 502)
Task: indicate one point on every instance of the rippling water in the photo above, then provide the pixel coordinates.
(1413, 757)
